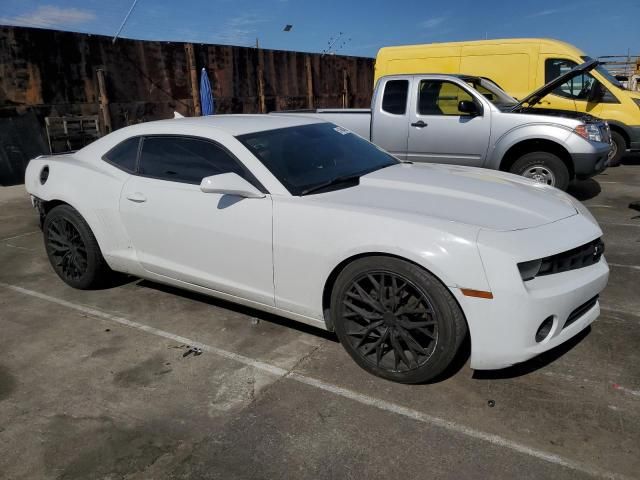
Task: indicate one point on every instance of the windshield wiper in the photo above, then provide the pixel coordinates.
(334, 181)
(343, 179)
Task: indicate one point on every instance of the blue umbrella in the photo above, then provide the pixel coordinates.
(206, 95)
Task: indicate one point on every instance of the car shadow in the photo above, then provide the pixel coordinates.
(584, 189)
(535, 363)
(252, 312)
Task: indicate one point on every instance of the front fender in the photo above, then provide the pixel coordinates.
(558, 134)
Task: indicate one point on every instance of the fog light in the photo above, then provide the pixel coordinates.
(544, 329)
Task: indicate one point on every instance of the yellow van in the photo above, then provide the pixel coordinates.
(521, 65)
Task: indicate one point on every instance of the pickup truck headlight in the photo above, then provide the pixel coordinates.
(589, 132)
(529, 270)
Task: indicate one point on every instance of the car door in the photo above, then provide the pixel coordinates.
(221, 242)
(573, 95)
(439, 132)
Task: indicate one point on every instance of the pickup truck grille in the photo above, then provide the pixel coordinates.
(580, 257)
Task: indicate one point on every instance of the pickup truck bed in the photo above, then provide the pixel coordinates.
(358, 120)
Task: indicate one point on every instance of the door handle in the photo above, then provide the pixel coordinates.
(136, 197)
(419, 124)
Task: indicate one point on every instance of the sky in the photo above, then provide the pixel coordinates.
(345, 27)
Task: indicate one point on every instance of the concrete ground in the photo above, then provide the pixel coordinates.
(96, 384)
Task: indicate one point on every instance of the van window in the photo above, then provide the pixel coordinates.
(436, 97)
(395, 96)
(581, 87)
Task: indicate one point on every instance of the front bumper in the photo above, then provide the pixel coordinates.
(587, 165)
(503, 329)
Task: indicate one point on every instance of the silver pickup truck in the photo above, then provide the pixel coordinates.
(468, 120)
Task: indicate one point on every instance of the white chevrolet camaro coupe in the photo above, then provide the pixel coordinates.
(307, 220)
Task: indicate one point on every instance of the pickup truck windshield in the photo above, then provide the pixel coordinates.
(307, 157)
(491, 92)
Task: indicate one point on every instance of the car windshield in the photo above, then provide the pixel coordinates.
(306, 157)
(491, 92)
(601, 69)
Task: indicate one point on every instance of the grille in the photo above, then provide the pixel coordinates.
(580, 311)
(580, 257)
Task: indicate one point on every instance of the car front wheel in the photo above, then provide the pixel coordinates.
(72, 249)
(543, 167)
(396, 320)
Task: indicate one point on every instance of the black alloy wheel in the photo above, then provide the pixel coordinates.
(67, 249)
(389, 321)
(73, 250)
(396, 319)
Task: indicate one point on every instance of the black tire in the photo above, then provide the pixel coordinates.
(618, 149)
(435, 322)
(544, 167)
(73, 250)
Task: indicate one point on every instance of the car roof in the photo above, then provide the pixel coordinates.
(235, 124)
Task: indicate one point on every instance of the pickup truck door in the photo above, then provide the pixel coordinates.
(439, 132)
(390, 116)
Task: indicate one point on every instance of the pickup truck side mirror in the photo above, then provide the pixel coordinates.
(230, 184)
(470, 108)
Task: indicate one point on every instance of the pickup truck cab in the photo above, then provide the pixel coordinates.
(520, 65)
(468, 120)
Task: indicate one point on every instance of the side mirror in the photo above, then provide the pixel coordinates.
(470, 108)
(230, 184)
(596, 93)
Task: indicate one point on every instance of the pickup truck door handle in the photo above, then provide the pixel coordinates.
(419, 124)
(136, 197)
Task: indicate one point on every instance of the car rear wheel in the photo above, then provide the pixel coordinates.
(396, 320)
(618, 148)
(73, 250)
(543, 167)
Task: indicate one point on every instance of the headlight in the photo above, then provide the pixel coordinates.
(529, 270)
(637, 101)
(589, 132)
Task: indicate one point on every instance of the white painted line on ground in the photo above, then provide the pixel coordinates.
(620, 224)
(588, 205)
(335, 389)
(623, 265)
(19, 236)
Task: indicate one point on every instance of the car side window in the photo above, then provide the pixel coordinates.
(124, 155)
(394, 99)
(184, 159)
(437, 97)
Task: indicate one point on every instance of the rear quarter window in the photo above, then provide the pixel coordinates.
(124, 155)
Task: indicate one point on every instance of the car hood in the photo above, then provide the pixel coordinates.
(537, 95)
(474, 196)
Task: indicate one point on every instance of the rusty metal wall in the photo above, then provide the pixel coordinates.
(54, 73)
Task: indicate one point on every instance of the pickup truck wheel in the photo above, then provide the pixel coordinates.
(73, 250)
(618, 147)
(543, 167)
(396, 320)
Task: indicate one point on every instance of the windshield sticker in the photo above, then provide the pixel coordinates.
(342, 130)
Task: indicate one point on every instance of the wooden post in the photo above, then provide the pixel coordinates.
(104, 103)
(307, 64)
(261, 101)
(193, 74)
(345, 89)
